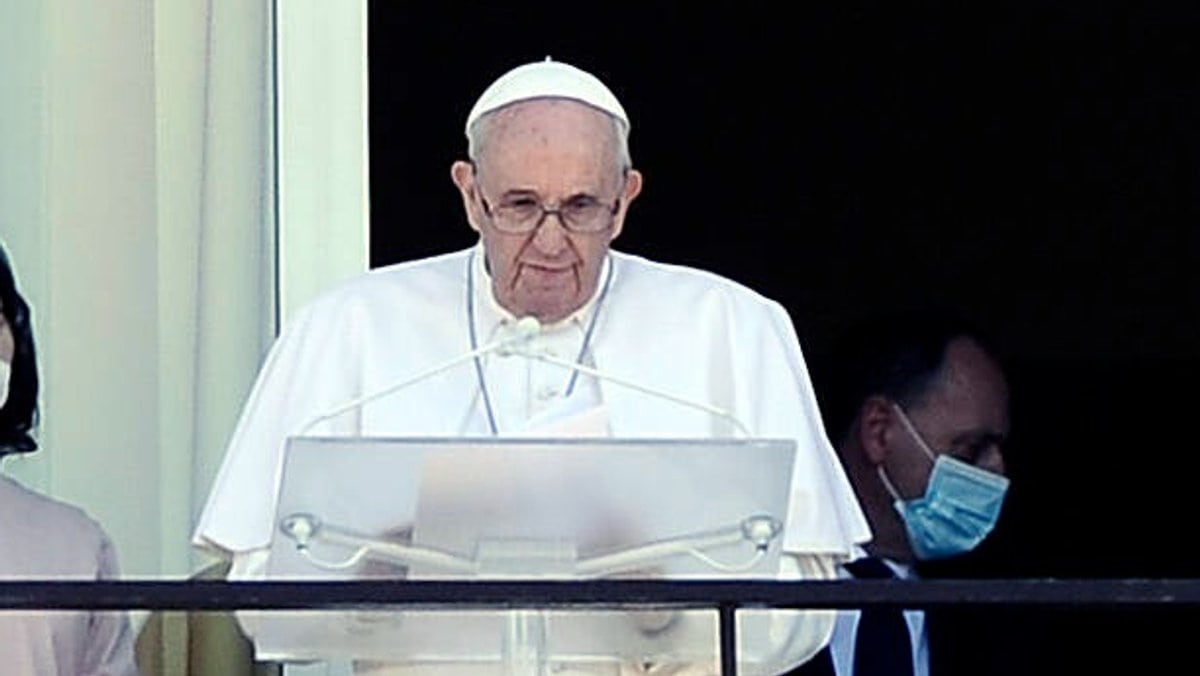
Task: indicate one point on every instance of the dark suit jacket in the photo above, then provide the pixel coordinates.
(983, 641)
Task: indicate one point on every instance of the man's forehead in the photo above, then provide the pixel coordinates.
(560, 139)
(969, 368)
(567, 115)
(970, 390)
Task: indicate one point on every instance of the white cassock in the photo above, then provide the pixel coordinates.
(690, 333)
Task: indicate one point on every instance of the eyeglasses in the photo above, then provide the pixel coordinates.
(523, 214)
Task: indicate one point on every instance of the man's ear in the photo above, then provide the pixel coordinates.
(633, 187)
(463, 175)
(875, 425)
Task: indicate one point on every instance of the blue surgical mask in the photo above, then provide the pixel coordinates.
(960, 506)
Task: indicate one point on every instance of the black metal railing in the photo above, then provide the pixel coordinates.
(724, 596)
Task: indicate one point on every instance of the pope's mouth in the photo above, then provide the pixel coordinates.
(544, 275)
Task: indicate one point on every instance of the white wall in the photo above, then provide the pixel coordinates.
(323, 153)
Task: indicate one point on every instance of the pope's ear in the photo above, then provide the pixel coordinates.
(633, 188)
(462, 173)
(874, 428)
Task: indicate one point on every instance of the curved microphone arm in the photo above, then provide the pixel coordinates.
(305, 529)
(759, 530)
(523, 331)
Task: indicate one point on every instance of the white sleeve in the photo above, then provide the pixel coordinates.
(249, 566)
(297, 381)
(774, 641)
(823, 514)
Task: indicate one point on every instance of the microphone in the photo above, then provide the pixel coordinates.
(521, 332)
(518, 348)
(524, 330)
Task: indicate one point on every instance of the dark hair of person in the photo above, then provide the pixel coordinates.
(18, 416)
(898, 355)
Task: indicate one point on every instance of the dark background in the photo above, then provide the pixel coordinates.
(1032, 163)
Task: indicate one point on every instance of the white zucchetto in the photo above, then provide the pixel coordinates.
(546, 79)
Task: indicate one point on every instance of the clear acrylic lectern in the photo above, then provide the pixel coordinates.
(496, 509)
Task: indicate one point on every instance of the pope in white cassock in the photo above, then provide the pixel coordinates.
(548, 186)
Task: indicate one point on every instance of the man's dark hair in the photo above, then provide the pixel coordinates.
(898, 355)
(19, 413)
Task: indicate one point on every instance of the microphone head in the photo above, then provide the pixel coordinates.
(300, 527)
(761, 529)
(527, 327)
(522, 331)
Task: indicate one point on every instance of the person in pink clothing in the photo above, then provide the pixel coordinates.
(43, 538)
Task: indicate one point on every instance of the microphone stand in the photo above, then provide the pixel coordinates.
(525, 329)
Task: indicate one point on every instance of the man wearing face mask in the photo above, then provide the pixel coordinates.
(918, 408)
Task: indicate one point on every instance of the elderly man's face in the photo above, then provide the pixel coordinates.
(555, 152)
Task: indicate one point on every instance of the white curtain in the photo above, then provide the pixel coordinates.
(138, 203)
(143, 234)
(216, 226)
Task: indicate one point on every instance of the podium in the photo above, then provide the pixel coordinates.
(513, 509)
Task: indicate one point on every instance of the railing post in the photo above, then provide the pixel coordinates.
(728, 634)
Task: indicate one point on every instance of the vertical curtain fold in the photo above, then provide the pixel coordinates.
(216, 234)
